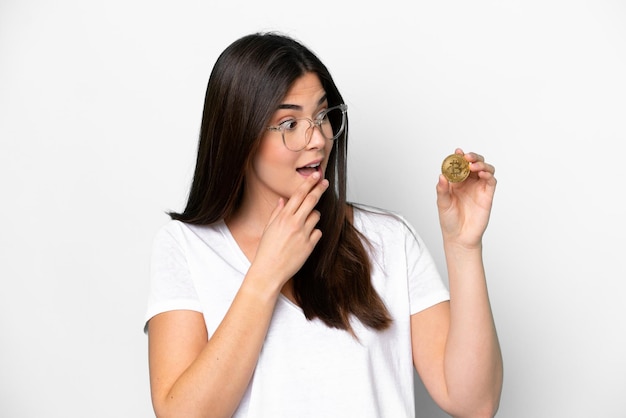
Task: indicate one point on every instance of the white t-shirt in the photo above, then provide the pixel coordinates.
(305, 368)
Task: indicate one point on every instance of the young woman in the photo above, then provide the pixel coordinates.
(271, 296)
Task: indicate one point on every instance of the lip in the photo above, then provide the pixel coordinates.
(318, 161)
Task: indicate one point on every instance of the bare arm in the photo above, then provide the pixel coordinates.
(193, 377)
(455, 345)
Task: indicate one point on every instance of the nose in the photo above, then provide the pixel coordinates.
(316, 139)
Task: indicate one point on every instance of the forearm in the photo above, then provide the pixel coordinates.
(214, 383)
(473, 361)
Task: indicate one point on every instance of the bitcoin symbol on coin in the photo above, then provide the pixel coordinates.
(455, 168)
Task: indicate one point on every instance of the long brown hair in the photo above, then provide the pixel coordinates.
(248, 82)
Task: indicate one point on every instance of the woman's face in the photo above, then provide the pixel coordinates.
(276, 171)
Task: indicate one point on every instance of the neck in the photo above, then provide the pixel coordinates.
(253, 214)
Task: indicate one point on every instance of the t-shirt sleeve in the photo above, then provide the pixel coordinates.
(426, 287)
(171, 286)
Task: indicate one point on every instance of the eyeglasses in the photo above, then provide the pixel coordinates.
(297, 134)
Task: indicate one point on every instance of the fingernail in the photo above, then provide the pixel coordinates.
(316, 175)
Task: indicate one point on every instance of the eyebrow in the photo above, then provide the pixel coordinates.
(298, 107)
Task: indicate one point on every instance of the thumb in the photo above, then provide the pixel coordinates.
(279, 206)
(443, 189)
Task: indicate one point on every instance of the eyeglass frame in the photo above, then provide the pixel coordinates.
(314, 124)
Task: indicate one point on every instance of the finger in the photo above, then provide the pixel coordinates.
(472, 157)
(302, 192)
(443, 185)
(279, 206)
(316, 235)
(488, 177)
(312, 220)
(482, 166)
(443, 192)
(312, 198)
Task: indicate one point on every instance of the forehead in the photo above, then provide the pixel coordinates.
(306, 88)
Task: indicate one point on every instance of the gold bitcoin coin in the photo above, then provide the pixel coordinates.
(455, 168)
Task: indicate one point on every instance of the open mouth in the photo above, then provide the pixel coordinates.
(309, 169)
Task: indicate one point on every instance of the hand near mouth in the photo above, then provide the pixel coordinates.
(290, 235)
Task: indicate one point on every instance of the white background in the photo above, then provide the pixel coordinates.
(100, 106)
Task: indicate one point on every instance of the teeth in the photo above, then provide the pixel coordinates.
(313, 165)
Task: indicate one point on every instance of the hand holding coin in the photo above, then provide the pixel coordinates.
(455, 168)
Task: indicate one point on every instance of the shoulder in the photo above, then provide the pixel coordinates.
(193, 241)
(173, 234)
(178, 230)
(172, 230)
(386, 227)
(168, 241)
(368, 218)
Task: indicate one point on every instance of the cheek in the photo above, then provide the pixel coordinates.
(272, 162)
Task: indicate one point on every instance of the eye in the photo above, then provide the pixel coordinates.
(288, 125)
(322, 117)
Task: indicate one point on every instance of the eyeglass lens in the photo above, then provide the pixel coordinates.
(331, 126)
